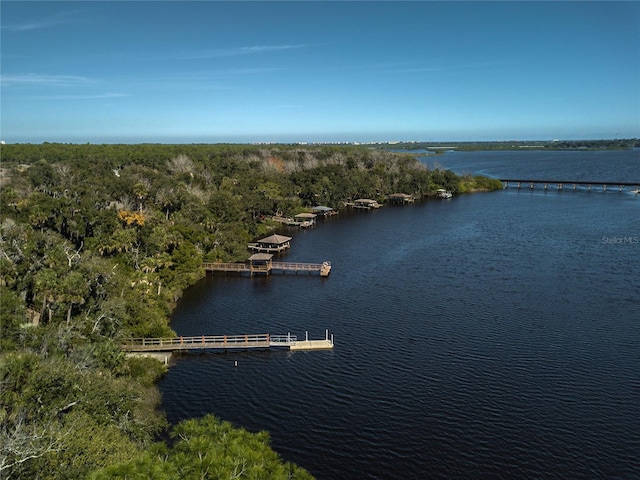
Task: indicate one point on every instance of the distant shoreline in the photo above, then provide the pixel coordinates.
(553, 145)
(408, 146)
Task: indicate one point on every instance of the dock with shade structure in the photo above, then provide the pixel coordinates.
(364, 204)
(262, 264)
(302, 220)
(324, 211)
(400, 198)
(271, 244)
(262, 341)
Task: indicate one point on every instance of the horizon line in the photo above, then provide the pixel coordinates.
(328, 142)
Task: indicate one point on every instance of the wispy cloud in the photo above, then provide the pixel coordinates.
(219, 79)
(226, 72)
(35, 79)
(36, 82)
(239, 51)
(263, 49)
(442, 68)
(97, 96)
(61, 18)
(418, 70)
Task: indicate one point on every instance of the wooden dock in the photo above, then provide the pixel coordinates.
(324, 269)
(303, 220)
(573, 184)
(364, 204)
(290, 221)
(227, 342)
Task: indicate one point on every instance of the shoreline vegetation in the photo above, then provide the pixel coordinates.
(97, 244)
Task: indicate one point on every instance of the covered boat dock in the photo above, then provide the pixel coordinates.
(272, 244)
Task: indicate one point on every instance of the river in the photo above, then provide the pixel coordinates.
(492, 335)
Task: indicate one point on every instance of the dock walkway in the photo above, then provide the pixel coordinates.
(226, 342)
(560, 184)
(282, 267)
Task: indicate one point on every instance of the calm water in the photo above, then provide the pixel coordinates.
(487, 336)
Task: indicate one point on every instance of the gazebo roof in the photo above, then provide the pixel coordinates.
(261, 257)
(277, 239)
(306, 215)
(322, 208)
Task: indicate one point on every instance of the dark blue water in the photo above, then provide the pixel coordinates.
(491, 335)
(612, 166)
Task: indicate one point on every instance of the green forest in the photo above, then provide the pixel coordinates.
(97, 244)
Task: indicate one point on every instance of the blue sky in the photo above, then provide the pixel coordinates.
(141, 71)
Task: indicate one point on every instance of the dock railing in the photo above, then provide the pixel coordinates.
(225, 342)
(324, 268)
(572, 184)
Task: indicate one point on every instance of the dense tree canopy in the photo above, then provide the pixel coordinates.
(97, 242)
(207, 448)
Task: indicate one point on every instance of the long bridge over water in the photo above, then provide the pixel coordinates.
(634, 187)
(226, 342)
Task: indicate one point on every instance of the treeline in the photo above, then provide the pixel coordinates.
(611, 144)
(97, 243)
(615, 144)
